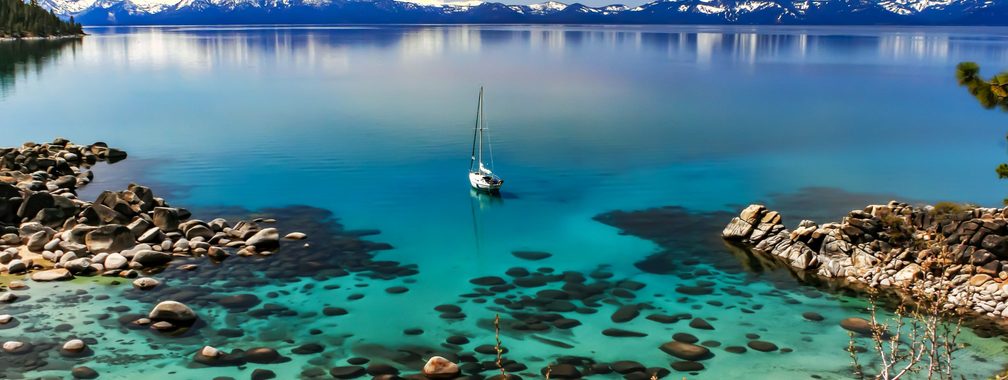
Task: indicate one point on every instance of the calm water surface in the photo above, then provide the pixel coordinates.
(373, 124)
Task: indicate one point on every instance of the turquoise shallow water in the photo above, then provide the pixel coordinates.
(372, 124)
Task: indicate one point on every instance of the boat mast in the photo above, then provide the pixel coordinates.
(479, 111)
(479, 121)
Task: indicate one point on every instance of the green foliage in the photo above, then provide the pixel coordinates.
(18, 19)
(896, 229)
(990, 93)
(1002, 171)
(948, 208)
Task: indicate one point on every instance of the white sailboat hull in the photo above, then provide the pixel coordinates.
(480, 182)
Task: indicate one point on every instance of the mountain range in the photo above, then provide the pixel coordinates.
(745, 12)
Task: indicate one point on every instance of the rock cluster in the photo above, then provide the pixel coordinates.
(44, 225)
(958, 252)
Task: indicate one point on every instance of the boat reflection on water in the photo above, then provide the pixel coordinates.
(484, 199)
(480, 201)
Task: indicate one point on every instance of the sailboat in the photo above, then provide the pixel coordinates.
(480, 177)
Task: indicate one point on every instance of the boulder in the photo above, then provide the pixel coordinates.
(752, 214)
(115, 261)
(907, 275)
(37, 241)
(737, 230)
(34, 203)
(15, 347)
(16, 266)
(239, 301)
(686, 351)
(979, 279)
(199, 230)
(440, 368)
(78, 266)
(83, 372)
(58, 274)
(208, 355)
(151, 236)
(8, 297)
(151, 258)
(74, 346)
(262, 355)
(859, 325)
(109, 238)
(145, 283)
(174, 312)
(166, 218)
(265, 239)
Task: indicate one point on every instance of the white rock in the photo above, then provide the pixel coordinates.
(74, 345)
(295, 236)
(439, 367)
(12, 346)
(210, 352)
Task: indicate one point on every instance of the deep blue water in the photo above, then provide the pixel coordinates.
(374, 125)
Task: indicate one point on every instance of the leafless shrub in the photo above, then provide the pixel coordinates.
(919, 340)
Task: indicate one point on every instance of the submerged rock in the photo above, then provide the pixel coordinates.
(347, 372)
(856, 324)
(687, 351)
(83, 372)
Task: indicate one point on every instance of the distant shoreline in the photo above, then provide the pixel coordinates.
(36, 38)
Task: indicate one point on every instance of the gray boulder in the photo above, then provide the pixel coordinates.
(265, 239)
(174, 312)
(116, 261)
(153, 235)
(16, 266)
(110, 238)
(166, 218)
(151, 258)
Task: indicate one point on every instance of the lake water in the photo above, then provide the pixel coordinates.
(373, 124)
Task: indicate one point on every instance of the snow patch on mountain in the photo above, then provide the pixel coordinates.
(657, 11)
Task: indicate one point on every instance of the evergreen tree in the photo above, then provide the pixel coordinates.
(991, 94)
(20, 19)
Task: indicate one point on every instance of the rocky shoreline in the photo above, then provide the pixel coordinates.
(957, 253)
(46, 232)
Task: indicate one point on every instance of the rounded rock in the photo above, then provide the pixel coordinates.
(145, 283)
(687, 351)
(440, 368)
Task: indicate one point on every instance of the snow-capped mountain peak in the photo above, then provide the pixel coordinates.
(548, 6)
(833, 12)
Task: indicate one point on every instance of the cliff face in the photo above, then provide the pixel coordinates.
(958, 253)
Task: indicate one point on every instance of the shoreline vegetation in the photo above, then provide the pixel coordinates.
(20, 20)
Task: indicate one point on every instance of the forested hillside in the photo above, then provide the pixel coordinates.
(20, 19)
